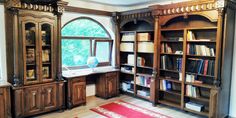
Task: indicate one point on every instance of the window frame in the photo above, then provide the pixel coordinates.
(92, 45)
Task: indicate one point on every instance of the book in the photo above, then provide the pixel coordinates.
(194, 106)
(30, 74)
(201, 50)
(200, 66)
(44, 38)
(45, 72)
(128, 37)
(45, 55)
(146, 47)
(30, 36)
(30, 55)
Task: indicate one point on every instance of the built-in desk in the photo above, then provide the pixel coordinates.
(5, 100)
(105, 78)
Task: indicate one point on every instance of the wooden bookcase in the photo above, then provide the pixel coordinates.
(194, 54)
(33, 45)
(136, 56)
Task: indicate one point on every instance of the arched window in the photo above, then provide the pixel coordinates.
(84, 37)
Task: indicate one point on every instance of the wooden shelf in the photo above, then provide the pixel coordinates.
(145, 75)
(127, 41)
(127, 32)
(143, 31)
(203, 113)
(170, 103)
(171, 54)
(200, 85)
(210, 76)
(30, 64)
(202, 28)
(147, 67)
(46, 63)
(171, 80)
(130, 73)
(127, 65)
(46, 45)
(145, 52)
(142, 85)
(126, 52)
(172, 29)
(200, 41)
(178, 93)
(143, 97)
(200, 56)
(173, 71)
(171, 41)
(30, 45)
(203, 99)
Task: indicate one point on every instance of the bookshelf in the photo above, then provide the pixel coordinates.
(136, 54)
(193, 58)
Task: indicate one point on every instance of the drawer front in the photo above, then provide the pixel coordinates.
(2, 104)
(111, 74)
(79, 79)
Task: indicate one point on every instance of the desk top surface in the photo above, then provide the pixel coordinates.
(84, 72)
(4, 84)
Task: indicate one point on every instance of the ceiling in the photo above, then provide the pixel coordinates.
(124, 2)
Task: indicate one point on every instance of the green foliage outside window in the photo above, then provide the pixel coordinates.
(75, 52)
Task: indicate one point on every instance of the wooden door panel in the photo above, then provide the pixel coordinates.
(33, 100)
(19, 102)
(78, 93)
(111, 87)
(2, 104)
(49, 97)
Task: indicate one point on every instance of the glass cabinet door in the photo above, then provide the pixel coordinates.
(46, 41)
(29, 33)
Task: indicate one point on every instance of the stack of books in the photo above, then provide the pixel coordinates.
(143, 81)
(143, 37)
(201, 66)
(194, 106)
(143, 93)
(127, 86)
(201, 50)
(192, 79)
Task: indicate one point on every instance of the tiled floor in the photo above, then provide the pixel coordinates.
(84, 112)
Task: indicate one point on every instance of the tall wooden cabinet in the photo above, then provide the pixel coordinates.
(194, 54)
(5, 100)
(33, 63)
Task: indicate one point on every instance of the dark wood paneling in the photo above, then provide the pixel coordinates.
(49, 97)
(87, 11)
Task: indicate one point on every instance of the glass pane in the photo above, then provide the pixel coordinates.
(84, 28)
(75, 52)
(103, 51)
(46, 50)
(30, 49)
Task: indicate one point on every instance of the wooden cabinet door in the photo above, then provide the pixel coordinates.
(2, 104)
(78, 92)
(33, 100)
(49, 99)
(111, 84)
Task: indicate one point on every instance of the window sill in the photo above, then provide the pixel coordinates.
(87, 71)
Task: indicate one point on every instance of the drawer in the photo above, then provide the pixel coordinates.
(79, 79)
(111, 74)
(1, 91)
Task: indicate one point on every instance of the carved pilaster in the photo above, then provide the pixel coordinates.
(116, 20)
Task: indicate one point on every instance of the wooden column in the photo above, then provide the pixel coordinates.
(154, 81)
(16, 79)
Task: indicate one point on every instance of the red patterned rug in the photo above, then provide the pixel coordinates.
(121, 109)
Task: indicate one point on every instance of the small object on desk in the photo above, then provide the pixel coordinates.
(92, 62)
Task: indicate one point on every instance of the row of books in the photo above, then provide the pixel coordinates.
(30, 36)
(143, 81)
(201, 66)
(30, 55)
(140, 37)
(191, 37)
(192, 79)
(140, 60)
(30, 73)
(127, 69)
(167, 48)
(171, 63)
(192, 91)
(145, 47)
(202, 50)
(166, 85)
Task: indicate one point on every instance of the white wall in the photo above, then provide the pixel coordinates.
(2, 44)
(233, 84)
